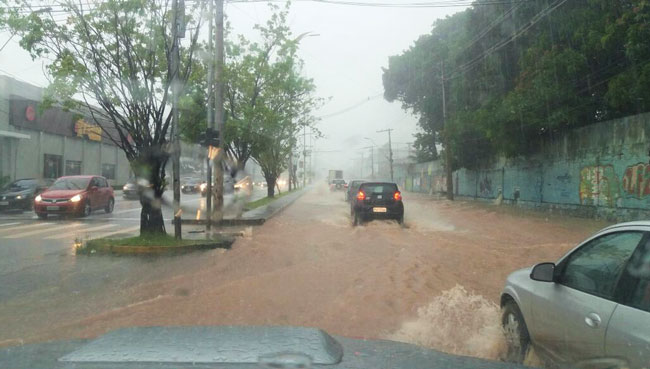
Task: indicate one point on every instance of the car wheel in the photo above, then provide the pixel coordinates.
(515, 332)
(86, 209)
(42, 215)
(400, 219)
(109, 206)
(356, 218)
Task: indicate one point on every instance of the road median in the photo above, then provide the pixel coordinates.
(151, 245)
(263, 211)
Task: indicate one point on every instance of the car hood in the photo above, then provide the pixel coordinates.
(234, 348)
(60, 194)
(15, 193)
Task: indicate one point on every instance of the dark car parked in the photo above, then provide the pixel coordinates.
(353, 188)
(191, 185)
(20, 194)
(377, 200)
(130, 190)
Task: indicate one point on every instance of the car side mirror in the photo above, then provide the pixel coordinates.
(544, 272)
(93, 188)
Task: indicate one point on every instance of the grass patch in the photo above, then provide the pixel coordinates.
(91, 246)
(266, 200)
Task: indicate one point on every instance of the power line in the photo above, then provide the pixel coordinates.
(349, 108)
(430, 4)
(539, 16)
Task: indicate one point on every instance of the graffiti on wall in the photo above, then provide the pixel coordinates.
(599, 185)
(564, 188)
(485, 186)
(636, 180)
(439, 184)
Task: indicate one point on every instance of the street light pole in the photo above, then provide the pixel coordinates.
(390, 151)
(218, 111)
(208, 197)
(372, 158)
(176, 165)
(304, 157)
(449, 173)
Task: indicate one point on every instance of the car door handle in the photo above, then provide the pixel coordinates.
(593, 320)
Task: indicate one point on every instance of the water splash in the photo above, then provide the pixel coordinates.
(456, 322)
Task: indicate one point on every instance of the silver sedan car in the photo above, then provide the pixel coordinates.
(590, 309)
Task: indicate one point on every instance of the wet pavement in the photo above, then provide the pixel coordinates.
(435, 281)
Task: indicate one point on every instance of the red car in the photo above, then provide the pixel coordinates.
(75, 195)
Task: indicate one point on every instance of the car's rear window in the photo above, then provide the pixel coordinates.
(379, 187)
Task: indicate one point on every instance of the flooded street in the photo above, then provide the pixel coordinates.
(435, 281)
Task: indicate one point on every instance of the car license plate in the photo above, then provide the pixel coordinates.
(4, 203)
(378, 210)
(53, 207)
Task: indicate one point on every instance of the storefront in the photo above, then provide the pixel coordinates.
(54, 142)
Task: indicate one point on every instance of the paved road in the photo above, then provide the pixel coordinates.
(35, 253)
(435, 282)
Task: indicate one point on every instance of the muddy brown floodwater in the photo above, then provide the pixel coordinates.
(435, 282)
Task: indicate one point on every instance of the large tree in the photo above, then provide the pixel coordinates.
(267, 100)
(112, 59)
(519, 72)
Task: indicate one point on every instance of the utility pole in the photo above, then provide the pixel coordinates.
(208, 197)
(218, 111)
(304, 157)
(361, 166)
(450, 180)
(290, 166)
(372, 161)
(311, 154)
(177, 33)
(390, 151)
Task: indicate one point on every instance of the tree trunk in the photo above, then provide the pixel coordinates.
(150, 165)
(151, 218)
(270, 186)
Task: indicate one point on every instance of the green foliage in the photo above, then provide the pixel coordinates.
(267, 100)
(111, 62)
(587, 61)
(266, 200)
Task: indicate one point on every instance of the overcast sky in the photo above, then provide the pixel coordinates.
(345, 61)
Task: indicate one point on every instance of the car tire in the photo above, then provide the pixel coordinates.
(41, 215)
(356, 218)
(109, 207)
(515, 332)
(400, 220)
(86, 210)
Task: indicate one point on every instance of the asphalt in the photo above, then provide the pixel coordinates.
(35, 254)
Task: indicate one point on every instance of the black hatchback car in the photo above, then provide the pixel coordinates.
(377, 200)
(20, 194)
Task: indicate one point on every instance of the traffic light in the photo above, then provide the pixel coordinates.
(210, 138)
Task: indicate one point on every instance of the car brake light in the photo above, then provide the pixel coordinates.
(397, 196)
(361, 196)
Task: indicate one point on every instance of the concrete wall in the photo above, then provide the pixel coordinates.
(599, 170)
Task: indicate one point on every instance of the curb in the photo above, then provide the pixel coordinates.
(161, 250)
(225, 222)
(250, 221)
